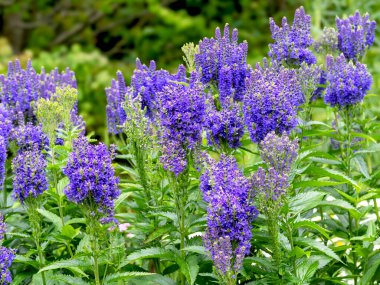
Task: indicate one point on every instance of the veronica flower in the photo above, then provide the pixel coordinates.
(92, 178)
(29, 136)
(6, 258)
(222, 61)
(29, 168)
(271, 101)
(292, 43)
(355, 34)
(348, 83)
(3, 158)
(181, 116)
(229, 213)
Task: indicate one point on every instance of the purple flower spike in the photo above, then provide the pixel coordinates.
(348, 83)
(92, 178)
(355, 34)
(229, 213)
(29, 168)
(271, 101)
(6, 258)
(223, 61)
(291, 44)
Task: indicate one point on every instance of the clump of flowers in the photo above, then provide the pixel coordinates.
(271, 101)
(5, 121)
(224, 126)
(328, 42)
(291, 44)
(270, 184)
(222, 61)
(92, 178)
(3, 158)
(229, 215)
(348, 83)
(27, 137)
(6, 256)
(310, 76)
(355, 34)
(181, 116)
(29, 168)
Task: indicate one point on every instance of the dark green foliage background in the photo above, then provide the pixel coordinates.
(95, 38)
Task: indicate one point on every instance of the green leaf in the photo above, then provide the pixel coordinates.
(67, 279)
(125, 276)
(343, 205)
(364, 136)
(72, 264)
(51, 217)
(61, 186)
(317, 246)
(362, 166)
(315, 183)
(170, 215)
(154, 252)
(196, 249)
(69, 232)
(311, 225)
(121, 199)
(370, 272)
(305, 201)
(314, 170)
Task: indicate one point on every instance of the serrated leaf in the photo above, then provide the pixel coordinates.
(311, 225)
(316, 183)
(362, 166)
(125, 276)
(314, 170)
(369, 273)
(51, 217)
(68, 264)
(154, 252)
(67, 279)
(196, 249)
(317, 246)
(121, 199)
(305, 201)
(343, 205)
(61, 186)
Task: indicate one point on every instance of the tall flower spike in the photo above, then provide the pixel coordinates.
(6, 258)
(28, 136)
(229, 212)
(355, 34)
(291, 44)
(181, 116)
(271, 101)
(29, 168)
(5, 121)
(92, 178)
(348, 83)
(328, 42)
(3, 227)
(3, 158)
(223, 61)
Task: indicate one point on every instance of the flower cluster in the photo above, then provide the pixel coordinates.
(310, 76)
(181, 116)
(225, 125)
(148, 82)
(328, 42)
(3, 158)
(5, 121)
(291, 44)
(271, 101)
(3, 227)
(29, 136)
(223, 61)
(92, 178)
(279, 153)
(355, 34)
(6, 258)
(229, 213)
(29, 168)
(20, 86)
(348, 83)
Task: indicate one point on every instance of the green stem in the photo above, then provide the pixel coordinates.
(36, 233)
(347, 160)
(290, 235)
(94, 246)
(274, 232)
(376, 210)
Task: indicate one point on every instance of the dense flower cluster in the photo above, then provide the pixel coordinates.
(27, 136)
(225, 125)
(181, 116)
(29, 168)
(3, 158)
(230, 210)
(310, 76)
(348, 83)
(271, 101)
(291, 44)
(279, 153)
(6, 258)
(20, 86)
(5, 121)
(328, 42)
(355, 34)
(3, 227)
(92, 177)
(223, 61)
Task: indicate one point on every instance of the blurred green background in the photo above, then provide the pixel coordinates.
(96, 38)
